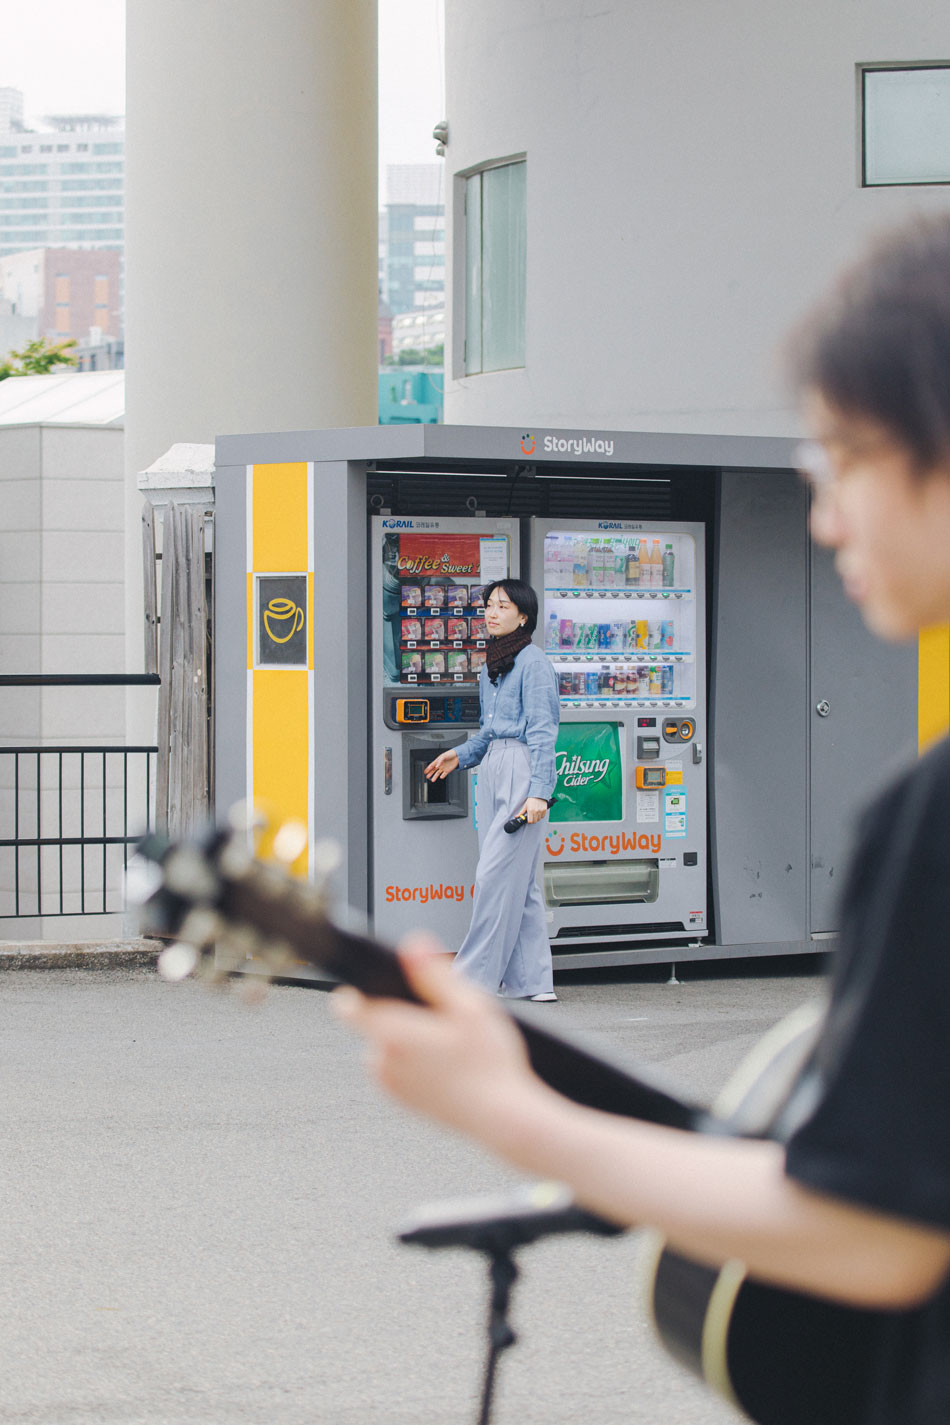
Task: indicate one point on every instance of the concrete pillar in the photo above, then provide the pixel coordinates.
(251, 228)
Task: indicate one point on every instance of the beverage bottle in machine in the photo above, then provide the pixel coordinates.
(644, 562)
(581, 576)
(552, 633)
(668, 579)
(656, 565)
(633, 563)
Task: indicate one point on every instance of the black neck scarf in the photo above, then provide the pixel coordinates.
(503, 651)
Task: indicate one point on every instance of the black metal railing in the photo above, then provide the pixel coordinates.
(69, 813)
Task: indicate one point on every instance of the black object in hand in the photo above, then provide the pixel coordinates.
(517, 822)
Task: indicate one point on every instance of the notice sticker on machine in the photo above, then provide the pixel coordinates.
(493, 556)
(674, 812)
(648, 806)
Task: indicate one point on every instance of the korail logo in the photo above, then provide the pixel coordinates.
(527, 445)
(409, 524)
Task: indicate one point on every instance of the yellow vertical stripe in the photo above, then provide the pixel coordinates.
(279, 706)
(933, 685)
(280, 747)
(279, 516)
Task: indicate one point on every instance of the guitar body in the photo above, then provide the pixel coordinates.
(782, 1357)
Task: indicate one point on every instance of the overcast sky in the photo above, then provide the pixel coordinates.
(68, 56)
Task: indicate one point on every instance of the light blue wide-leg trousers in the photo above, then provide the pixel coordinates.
(507, 947)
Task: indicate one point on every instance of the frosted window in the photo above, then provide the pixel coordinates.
(906, 126)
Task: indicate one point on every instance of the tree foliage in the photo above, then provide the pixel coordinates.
(413, 356)
(38, 358)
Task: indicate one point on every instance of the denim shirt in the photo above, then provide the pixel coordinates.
(524, 705)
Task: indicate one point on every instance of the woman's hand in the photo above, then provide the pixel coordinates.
(445, 763)
(535, 808)
(457, 1058)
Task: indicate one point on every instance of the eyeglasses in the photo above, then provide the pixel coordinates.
(853, 453)
(813, 465)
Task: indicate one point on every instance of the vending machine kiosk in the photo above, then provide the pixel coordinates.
(724, 711)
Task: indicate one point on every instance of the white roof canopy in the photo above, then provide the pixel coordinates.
(86, 398)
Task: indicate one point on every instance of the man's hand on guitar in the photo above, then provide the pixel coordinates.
(459, 1059)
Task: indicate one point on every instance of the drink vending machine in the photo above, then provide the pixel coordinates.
(623, 623)
(428, 644)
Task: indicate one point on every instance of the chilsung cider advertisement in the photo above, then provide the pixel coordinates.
(589, 778)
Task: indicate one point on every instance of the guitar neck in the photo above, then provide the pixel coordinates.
(578, 1072)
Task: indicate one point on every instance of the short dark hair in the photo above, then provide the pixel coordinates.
(521, 595)
(879, 345)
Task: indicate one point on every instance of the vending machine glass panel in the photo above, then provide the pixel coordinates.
(620, 617)
(433, 604)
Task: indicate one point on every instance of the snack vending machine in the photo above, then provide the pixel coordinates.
(428, 644)
(623, 623)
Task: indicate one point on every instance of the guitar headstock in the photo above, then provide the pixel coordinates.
(227, 908)
(230, 911)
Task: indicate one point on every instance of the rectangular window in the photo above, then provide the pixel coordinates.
(495, 268)
(905, 112)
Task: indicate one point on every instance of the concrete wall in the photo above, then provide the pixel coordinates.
(692, 180)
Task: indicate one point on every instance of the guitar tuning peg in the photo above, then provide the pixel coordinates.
(327, 857)
(202, 925)
(242, 942)
(188, 874)
(141, 879)
(230, 955)
(290, 842)
(281, 956)
(176, 962)
(245, 817)
(210, 972)
(234, 860)
(254, 990)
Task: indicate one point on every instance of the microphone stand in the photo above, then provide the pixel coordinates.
(496, 1226)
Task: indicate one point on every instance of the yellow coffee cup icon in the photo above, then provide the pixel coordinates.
(282, 610)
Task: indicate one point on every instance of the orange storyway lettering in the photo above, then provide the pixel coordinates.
(610, 844)
(423, 894)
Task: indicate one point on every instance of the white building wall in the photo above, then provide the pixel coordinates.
(692, 181)
(62, 610)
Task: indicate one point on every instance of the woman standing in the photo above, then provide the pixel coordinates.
(507, 948)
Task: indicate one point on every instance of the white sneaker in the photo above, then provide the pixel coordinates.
(547, 997)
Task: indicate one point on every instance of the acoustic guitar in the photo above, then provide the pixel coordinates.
(782, 1357)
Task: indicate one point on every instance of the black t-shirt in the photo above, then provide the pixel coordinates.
(877, 1132)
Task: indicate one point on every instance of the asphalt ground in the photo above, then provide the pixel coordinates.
(200, 1199)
